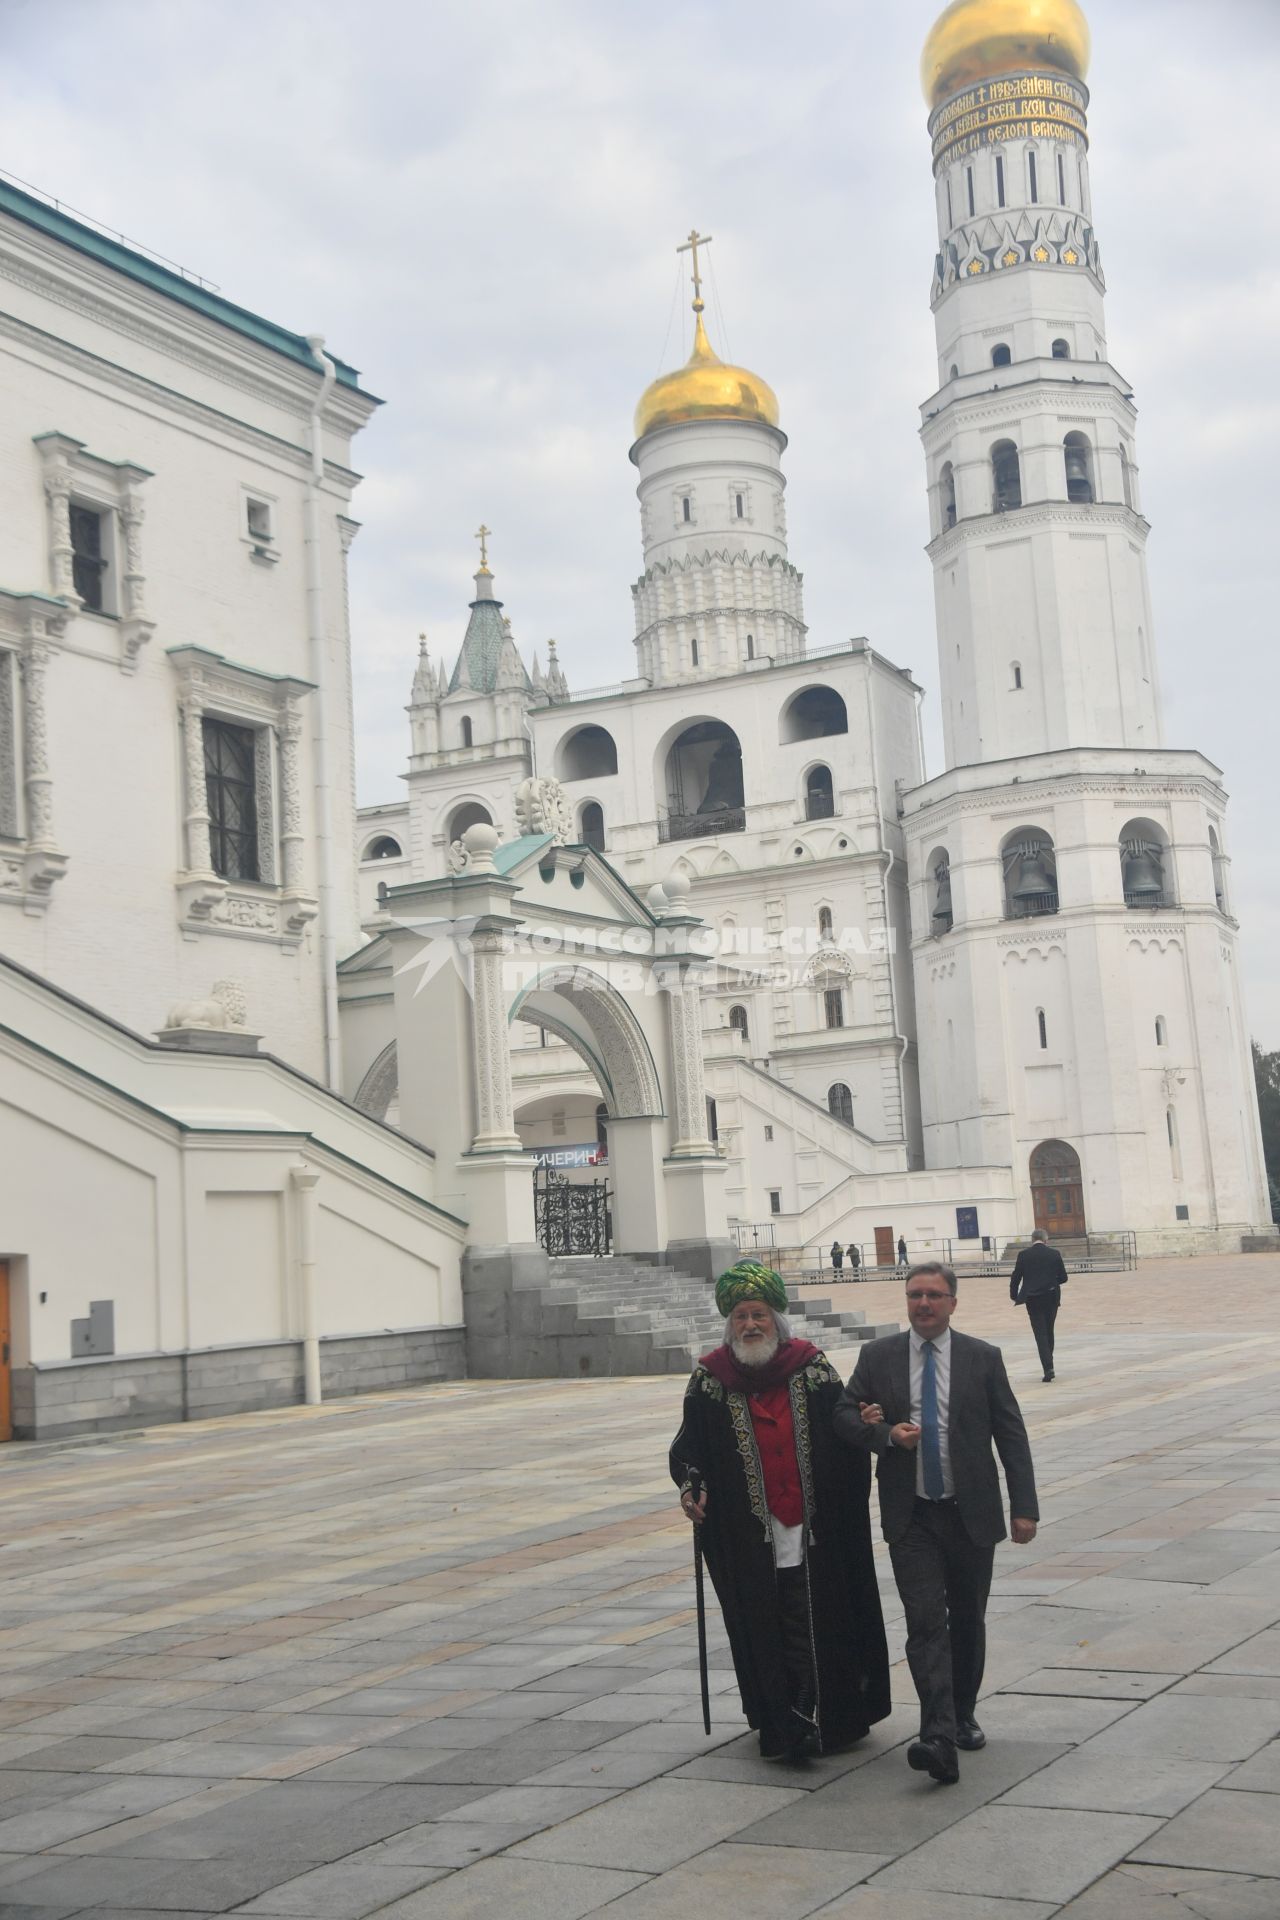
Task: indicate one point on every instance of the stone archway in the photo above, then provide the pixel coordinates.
(1057, 1190)
(378, 1094)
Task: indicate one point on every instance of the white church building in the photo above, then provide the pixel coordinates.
(710, 934)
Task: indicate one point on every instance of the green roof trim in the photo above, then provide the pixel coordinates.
(513, 853)
(161, 279)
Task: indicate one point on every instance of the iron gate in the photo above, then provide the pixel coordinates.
(571, 1216)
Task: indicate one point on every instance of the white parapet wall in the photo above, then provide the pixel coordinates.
(152, 1227)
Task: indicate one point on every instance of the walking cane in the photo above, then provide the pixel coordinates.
(695, 1488)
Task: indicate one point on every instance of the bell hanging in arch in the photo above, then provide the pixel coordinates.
(1143, 871)
(1033, 876)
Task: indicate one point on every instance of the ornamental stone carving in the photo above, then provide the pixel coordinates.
(542, 806)
(110, 488)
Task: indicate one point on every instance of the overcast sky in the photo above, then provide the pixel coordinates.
(477, 202)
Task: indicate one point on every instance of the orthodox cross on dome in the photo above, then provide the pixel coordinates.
(483, 534)
(691, 246)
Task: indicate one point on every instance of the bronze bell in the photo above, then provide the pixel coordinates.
(1033, 877)
(942, 911)
(1079, 478)
(1143, 873)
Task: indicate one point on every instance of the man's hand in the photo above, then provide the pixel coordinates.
(697, 1510)
(1024, 1532)
(872, 1413)
(905, 1435)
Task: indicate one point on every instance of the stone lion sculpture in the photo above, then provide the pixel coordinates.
(225, 1007)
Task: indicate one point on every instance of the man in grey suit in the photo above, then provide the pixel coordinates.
(931, 1403)
(1036, 1283)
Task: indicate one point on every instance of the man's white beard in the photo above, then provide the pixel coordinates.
(755, 1353)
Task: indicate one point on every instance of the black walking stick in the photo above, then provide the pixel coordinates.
(695, 1488)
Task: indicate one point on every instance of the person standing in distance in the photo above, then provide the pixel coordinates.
(1036, 1283)
(931, 1404)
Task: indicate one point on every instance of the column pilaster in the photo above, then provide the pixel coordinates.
(491, 1047)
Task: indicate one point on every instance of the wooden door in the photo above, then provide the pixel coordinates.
(6, 1336)
(1057, 1190)
(886, 1248)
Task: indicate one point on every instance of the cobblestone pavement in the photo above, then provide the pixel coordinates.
(433, 1654)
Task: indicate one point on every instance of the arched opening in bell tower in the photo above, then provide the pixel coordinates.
(702, 775)
(815, 714)
(1078, 456)
(1006, 477)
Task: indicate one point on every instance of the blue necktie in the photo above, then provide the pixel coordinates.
(930, 1440)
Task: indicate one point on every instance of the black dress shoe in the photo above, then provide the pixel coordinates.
(935, 1757)
(1048, 1377)
(969, 1735)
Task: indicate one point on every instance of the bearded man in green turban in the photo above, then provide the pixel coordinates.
(784, 1522)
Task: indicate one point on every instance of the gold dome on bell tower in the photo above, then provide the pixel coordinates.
(706, 387)
(979, 40)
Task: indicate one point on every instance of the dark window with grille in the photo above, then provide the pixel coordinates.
(88, 561)
(833, 1000)
(229, 755)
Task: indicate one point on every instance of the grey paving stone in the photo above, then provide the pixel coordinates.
(1182, 1636)
(1020, 1853)
(1061, 1717)
(540, 1806)
(96, 1878)
(305, 1823)
(910, 1903)
(657, 1826)
(1092, 1683)
(1116, 1784)
(1261, 1654)
(1233, 1832)
(599, 1767)
(748, 1883)
(1156, 1893)
(1259, 1775)
(885, 1808)
(121, 1799)
(1192, 1727)
(85, 1752)
(448, 1843)
(1203, 1557)
(343, 1892)
(518, 1890)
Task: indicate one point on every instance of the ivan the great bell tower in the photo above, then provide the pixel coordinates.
(1073, 940)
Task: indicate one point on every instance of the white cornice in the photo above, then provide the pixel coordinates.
(1039, 513)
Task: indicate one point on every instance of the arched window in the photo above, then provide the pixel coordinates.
(703, 779)
(942, 917)
(1006, 477)
(1062, 181)
(1126, 472)
(1001, 356)
(814, 714)
(1017, 677)
(469, 814)
(955, 373)
(587, 754)
(1060, 350)
(969, 182)
(840, 1103)
(686, 508)
(737, 500)
(1033, 179)
(383, 848)
(826, 925)
(1146, 865)
(693, 653)
(713, 1121)
(819, 795)
(1219, 872)
(751, 646)
(591, 827)
(1162, 1031)
(1078, 455)
(602, 1127)
(1030, 874)
(1000, 178)
(1043, 1026)
(467, 737)
(738, 1022)
(947, 494)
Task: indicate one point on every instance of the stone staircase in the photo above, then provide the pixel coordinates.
(620, 1316)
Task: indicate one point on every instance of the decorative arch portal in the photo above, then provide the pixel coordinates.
(1057, 1190)
(594, 1019)
(378, 1094)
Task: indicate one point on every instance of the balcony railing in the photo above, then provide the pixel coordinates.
(699, 826)
(1031, 905)
(1156, 900)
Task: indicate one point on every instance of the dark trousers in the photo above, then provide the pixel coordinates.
(1042, 1311)
(943, 1580)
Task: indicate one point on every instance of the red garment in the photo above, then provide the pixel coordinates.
(776, 1441)
(790, 1357)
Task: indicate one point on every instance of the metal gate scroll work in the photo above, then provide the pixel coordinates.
(570, 1216)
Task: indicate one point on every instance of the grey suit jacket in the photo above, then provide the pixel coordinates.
(983, 1413)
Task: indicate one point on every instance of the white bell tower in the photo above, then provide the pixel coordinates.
(1073, 941)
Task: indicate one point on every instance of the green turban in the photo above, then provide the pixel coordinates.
(750, 1281)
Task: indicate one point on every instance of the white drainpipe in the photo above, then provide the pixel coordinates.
(318, 640)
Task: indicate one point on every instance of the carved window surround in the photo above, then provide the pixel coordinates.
(112, 488)
(277, 907)
(31, 626)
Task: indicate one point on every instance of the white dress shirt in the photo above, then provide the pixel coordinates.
(942, 1374)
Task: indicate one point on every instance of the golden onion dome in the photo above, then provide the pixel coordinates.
(977, 40)
(705, 388)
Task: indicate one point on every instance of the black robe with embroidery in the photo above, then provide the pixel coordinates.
(851, 1661)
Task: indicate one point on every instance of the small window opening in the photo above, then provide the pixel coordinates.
(385, 848)
(686, 507)
(738, 1022)
(751, 647)
(1032, 176)
(775, 1201)
(258, 520)
(955, 373)
(693, 652)
(738, 504)
(713, 1121)
(768, 1132)
(840, 1103)
(88, 557)
(1060, 350)
(969, 179)
(826, 925)
(833, 1006)
(1044, 1028)
(1001, 356)
(1017, 677)
(467, 736)
(951, 216)
(1162, 1031)
(602, 1125)
(1000, 178)
(947, 487)
(1062, 181)
(592, 827)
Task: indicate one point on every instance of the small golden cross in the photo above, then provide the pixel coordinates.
(691, 245)
(483, 535)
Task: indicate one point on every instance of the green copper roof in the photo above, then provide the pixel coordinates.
(512, 852)
(161, 279)
(481, 647)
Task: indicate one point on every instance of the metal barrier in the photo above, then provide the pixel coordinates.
(754, 1233)
(1115, 1252)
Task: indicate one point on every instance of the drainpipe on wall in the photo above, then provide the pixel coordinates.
(318, 639)
(305, 1181)
(888, 856)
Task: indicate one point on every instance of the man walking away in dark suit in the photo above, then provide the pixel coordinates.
(931, 1404)
(1036, 1283)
